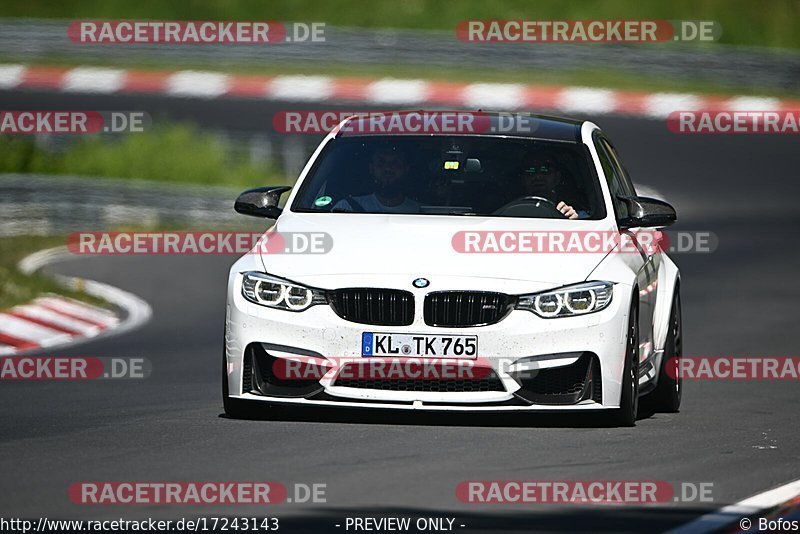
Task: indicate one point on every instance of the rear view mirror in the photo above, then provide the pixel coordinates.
(261, 202)
(647, 212)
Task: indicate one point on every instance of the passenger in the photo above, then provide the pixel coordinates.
(388, 168)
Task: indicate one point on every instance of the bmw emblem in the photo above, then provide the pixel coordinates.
(421, 282)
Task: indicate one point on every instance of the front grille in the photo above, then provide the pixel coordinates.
(381, 307)
(491, 382)
(466, 308)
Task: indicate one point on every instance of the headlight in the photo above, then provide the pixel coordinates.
(569, 301)
(275, 292)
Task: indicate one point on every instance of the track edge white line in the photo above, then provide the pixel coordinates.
(757, 504)
(137, 311)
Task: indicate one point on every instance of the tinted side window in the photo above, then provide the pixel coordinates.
(622, 174)
(612, 177)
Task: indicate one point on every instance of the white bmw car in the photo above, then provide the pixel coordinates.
(465, 271)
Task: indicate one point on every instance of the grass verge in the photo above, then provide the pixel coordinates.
(774, 23)
(18, 288)
(177, 153)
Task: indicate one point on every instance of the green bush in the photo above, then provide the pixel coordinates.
(176, 153)
(746, 22)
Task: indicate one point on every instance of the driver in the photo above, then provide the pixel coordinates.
(543, 177)
(388, 168)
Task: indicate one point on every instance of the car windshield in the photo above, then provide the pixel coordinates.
(462, 175)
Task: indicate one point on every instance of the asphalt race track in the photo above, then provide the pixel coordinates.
(743, 436)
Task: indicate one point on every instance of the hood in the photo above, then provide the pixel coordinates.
(393, 250)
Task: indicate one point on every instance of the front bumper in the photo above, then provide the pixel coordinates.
(573, 363)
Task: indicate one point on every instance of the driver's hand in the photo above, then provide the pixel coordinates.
(568, 211)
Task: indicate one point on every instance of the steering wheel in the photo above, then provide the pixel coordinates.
(530, 206)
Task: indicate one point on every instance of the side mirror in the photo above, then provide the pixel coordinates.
(261, 202)
(647, 212)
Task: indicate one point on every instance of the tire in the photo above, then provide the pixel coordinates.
(628, 409)
(667, 395)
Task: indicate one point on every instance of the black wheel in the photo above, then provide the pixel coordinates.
(667, 395)
(628, 409)
(234, 408)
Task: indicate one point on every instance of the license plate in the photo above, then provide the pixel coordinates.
(418, 345)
